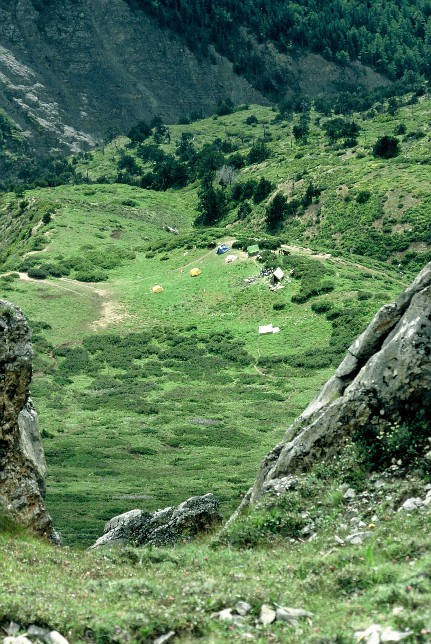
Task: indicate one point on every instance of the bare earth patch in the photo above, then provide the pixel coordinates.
(111, 313)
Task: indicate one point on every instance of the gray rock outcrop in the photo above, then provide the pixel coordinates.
(22, 462)
(164, 527)
(385, 376)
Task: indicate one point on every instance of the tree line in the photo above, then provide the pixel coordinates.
(393, 37)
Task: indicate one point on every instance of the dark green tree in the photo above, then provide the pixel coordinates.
(276, 211)
(139, 132)
(211, 204)
(259, 152)
(386, 147)
(262, 190)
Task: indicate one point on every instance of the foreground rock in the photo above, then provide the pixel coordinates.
(384, 378)
(164, 527)
(22, 462)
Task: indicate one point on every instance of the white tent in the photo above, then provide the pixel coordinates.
(278, 274)
(268, 328)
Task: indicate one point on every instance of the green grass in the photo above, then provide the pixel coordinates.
(135, 595)
(136, 424)
(169, 395)
(103, 444)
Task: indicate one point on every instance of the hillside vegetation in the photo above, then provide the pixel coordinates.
(148, 398)
(393, 38)
(182, 379)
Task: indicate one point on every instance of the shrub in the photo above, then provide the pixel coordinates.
(386, 147)
(363, 196)
(91, 275)
(308, 291)
(258, 153)
(406, 439)
(225, 107)
(364, 295)
(321, 307)
(37, 273)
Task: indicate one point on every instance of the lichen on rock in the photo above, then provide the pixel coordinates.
(165, 527)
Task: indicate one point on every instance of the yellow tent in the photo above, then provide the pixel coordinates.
(157, 289)
(195, 272)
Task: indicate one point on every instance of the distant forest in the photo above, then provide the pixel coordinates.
(392, 36)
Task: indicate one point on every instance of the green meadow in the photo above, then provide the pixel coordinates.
(148, 398)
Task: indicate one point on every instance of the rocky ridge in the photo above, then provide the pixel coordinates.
(72, 71)
(22, 461)
(385, 378)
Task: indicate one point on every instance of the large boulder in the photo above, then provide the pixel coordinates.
(164, 527)
(22, 461)
(384, 378)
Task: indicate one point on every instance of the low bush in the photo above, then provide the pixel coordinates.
(308, 291)
(321, 307)
(91, 275)
(406, 439)
(37, 273)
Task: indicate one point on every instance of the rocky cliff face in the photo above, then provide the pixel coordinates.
(22, 462)
(385, 378)
(72, 70)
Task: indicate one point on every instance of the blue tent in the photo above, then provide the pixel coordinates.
(222, 249)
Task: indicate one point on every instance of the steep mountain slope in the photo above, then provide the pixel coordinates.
(71, 73)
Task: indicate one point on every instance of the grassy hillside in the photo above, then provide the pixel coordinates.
(167, 395)
(147, 398)
(135, 595)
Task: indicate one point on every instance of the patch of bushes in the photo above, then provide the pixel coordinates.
(321, 307)
(406, 439)
(308, 291)
(37, 273)
(91, 275)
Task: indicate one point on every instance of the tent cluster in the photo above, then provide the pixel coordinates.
(159, 289)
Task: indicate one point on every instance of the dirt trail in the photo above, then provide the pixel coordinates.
(112, 312)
